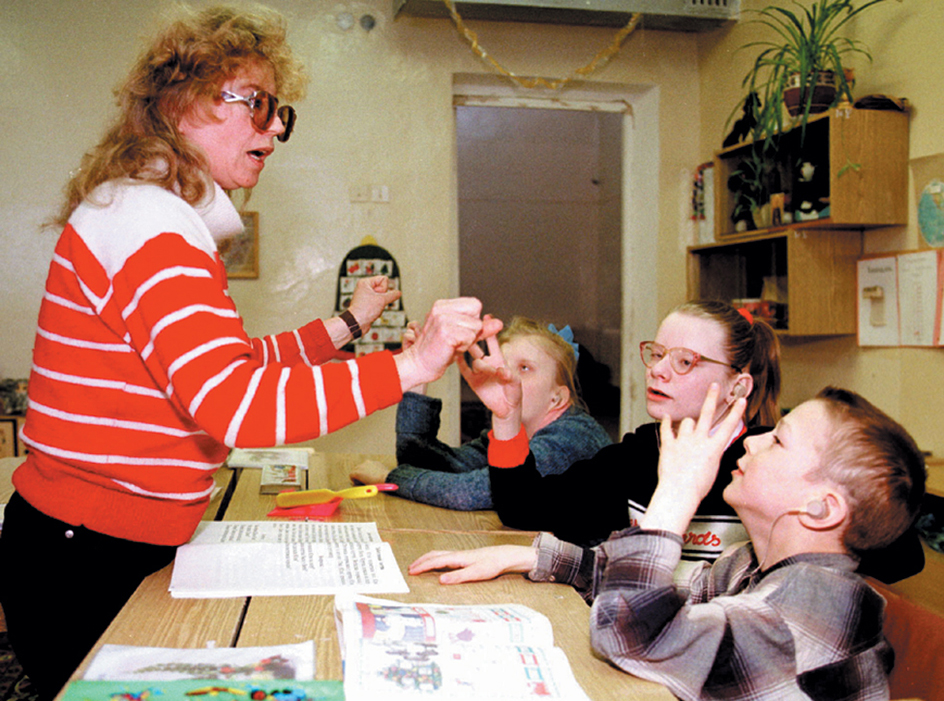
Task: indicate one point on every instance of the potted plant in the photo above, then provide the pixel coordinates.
(802, 67)
(753, 181)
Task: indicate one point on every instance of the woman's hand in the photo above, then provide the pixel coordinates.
(370, 472)
(452, 326)
(476, 565)
(409, 338)
(370, 298)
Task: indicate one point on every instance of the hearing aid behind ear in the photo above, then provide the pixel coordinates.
(817, 509)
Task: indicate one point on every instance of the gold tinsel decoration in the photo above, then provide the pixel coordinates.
(601, 58)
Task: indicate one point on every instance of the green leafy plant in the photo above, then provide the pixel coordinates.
(807, 42)
(752, 182)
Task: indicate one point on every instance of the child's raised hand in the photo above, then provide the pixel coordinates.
(688, 463)
(410, 335)
(476, 565)
(490, 379)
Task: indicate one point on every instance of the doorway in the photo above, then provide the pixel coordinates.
(540, 211)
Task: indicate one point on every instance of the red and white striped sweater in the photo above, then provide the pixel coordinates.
(143, 375)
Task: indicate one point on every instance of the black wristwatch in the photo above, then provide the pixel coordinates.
(352, 324)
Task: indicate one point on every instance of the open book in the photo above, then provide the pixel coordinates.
(260, 558)
(406, 651)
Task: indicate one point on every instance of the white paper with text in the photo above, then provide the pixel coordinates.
(260, 558)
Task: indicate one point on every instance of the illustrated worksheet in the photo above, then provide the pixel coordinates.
(499, 652)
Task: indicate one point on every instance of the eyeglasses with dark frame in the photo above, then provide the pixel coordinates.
(681, 359)
(263, 108)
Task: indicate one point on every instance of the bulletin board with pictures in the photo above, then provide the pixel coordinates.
(367, 260)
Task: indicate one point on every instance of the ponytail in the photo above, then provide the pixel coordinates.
(753, 346)
(763, 408)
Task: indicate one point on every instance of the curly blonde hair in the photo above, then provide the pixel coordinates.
(188, 61)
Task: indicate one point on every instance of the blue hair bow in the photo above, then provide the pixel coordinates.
(568, 335)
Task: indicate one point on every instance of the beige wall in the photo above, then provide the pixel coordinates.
(379, 112)
(903, 39)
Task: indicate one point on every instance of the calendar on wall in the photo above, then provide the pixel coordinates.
(368, 260)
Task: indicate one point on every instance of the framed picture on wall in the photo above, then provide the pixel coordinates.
(240, 254)
(703, 203)
(8, 438)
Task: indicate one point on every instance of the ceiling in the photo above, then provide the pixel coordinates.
(672, 15)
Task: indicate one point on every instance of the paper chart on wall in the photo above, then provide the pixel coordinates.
(877, 301)
(917, 297)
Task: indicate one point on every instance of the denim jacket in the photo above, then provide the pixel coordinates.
(433, 472)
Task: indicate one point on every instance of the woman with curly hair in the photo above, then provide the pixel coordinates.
(143, 375)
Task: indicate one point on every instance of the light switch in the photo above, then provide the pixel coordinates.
(379, 193)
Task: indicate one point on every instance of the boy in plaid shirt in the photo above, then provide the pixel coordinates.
(783, 616)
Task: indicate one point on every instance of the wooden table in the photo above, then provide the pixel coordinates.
(153, 618)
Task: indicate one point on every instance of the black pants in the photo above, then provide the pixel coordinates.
(61, 586)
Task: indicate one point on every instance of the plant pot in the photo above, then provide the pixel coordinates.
(824, 93)
(761, 216)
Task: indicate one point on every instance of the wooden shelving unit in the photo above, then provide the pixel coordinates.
(819, 265)
(816, 259)
(875, 194)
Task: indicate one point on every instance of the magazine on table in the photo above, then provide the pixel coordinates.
(498, 652)
(138, 663)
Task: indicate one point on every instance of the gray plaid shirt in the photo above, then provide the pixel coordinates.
(807, 628)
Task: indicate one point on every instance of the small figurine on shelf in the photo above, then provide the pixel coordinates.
(810, 193)
(745, 124)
